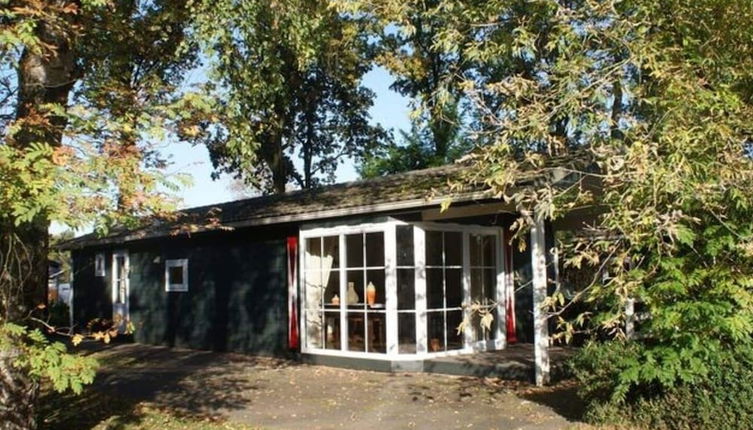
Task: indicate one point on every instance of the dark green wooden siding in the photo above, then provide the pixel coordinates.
(236, 299)
(92, 296)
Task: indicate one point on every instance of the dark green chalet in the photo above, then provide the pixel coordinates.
(370, 271)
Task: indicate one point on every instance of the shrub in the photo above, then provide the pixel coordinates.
(31, 352)
(720, 400)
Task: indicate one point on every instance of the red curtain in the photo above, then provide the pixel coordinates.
(293, 337)
(510, 290)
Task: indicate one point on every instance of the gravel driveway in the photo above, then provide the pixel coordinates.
(280, 394)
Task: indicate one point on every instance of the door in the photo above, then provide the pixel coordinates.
(120, 290)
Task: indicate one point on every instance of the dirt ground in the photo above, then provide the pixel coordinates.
(279, 394)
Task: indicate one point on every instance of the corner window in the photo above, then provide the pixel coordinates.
(176, 275)
(99, 264)
(395, 288)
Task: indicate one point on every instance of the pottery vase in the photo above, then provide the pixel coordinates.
(352, 295)
(434, 344)
(370, 294)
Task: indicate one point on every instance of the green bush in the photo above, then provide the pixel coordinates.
(721, 400)
(33, 354)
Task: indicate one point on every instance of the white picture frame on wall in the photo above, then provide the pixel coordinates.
(176, 275)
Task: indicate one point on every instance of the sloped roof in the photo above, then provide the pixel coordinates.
(402, 191)
(420, 188)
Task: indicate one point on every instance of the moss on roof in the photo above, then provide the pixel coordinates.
(417, 187)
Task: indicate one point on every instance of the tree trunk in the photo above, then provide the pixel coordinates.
(43, 78)
(273, 156)
(18, 394)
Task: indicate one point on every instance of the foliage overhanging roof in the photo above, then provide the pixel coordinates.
(396, 192)
(399, 191)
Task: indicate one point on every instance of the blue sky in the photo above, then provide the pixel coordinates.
(390, 109)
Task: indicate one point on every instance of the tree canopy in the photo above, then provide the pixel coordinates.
(88, 91)
(655, 99)
(430, 76)
(287, 80)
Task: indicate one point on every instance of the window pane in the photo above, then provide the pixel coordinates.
(120, 265)
(453, 249)
(313, 284)
(454, 339)
(483, 285)
(176, 274)
(121, 287)
(406, 291)
(433, 248)
(314, 329)
(434, 289)
(356, 333)
(332, 330)
(406, 333)
(435, 330)
(355, 287)
(331, 251)
(332, 281)
(454, 287)
(313, 253)
(490, 285)
(483, 250)
(477, 285)
(354, 250)
(488, 249)
(375, 249)
(480, 331)
(376, 277)
(474, 249)
(404, 245)
(377, 328)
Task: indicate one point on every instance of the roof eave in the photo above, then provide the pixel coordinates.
(284, 219)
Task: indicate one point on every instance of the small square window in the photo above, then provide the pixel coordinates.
(176, 275)
(99, 264)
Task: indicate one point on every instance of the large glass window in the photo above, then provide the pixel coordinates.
(444, 290)
(120, 269)
(355, 308)
(322, 289)
(348, 273)
(366, 297)
(406, 290)
(483, 268)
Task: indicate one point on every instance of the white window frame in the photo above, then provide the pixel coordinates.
(467, 229)
(389, 230)
(99, 265)
(176, 288)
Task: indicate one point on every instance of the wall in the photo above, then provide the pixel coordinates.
(236, 300)
(92, 297)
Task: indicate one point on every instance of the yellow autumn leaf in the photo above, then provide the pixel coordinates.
(77, 339)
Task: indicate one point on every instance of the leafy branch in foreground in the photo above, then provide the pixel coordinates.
(88, 91)
(649, 105)
(46, 359)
